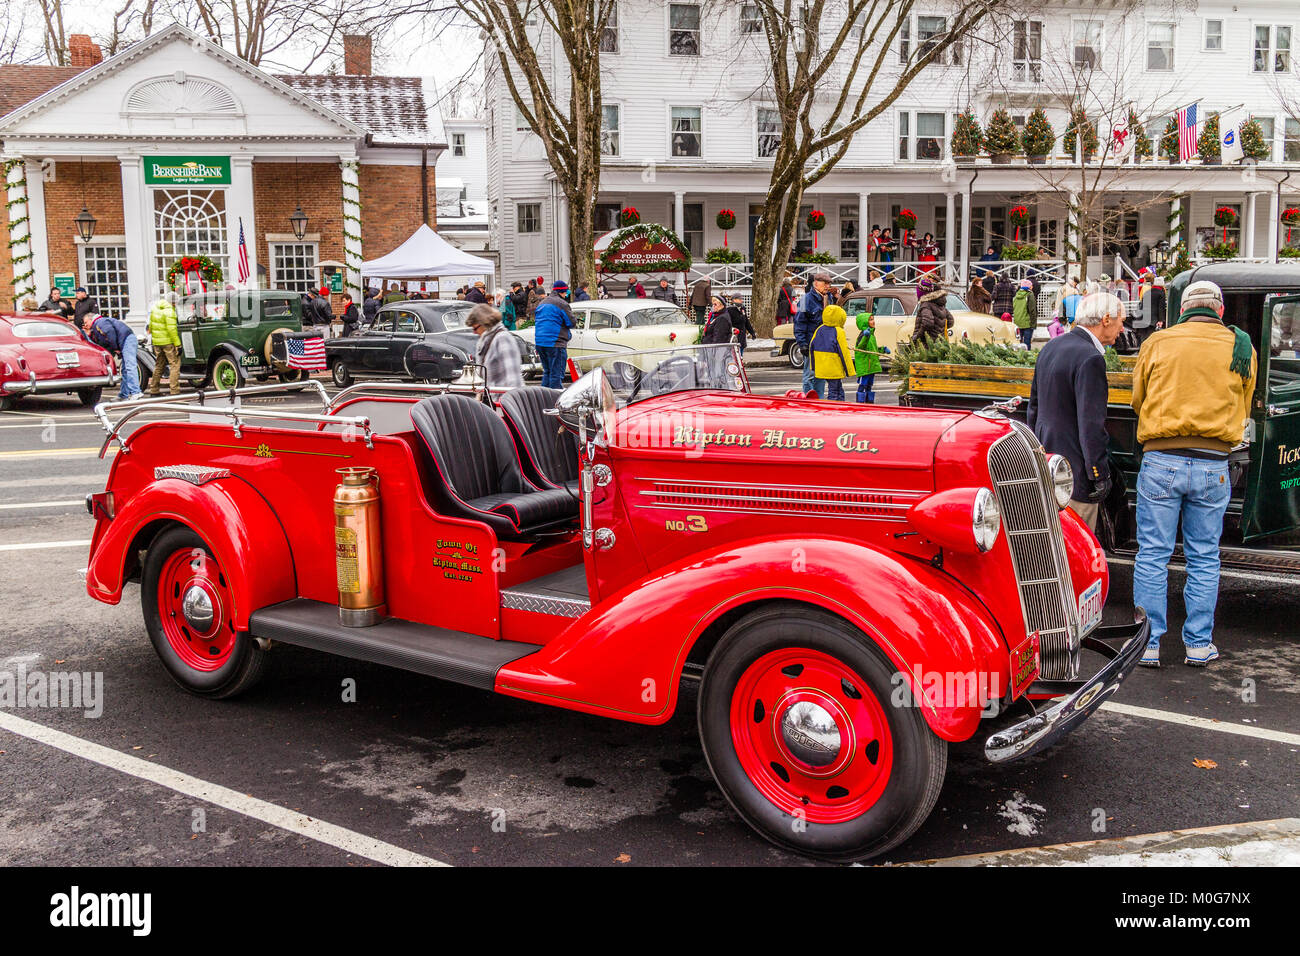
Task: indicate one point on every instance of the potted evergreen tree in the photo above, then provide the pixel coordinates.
(1038, 138)
(1253, 143)
(967, 138)
(1001, 139)
(1080, 125)
(1169, 141)
(1208, 142)
(1142, 142)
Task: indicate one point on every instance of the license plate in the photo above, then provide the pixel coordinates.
(1090, 607)
(250, 360)
(1024, 665)
(67, 359)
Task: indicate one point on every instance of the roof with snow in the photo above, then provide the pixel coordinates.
(395, 110)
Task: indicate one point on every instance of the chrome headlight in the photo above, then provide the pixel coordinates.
(986, 519)
(1058, 468)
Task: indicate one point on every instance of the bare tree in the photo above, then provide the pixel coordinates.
(14, 44)
(55, 36)
(261, 31)
(131, 22)
(826, 86)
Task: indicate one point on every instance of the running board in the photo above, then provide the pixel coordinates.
(1248, 559)
(448, 655)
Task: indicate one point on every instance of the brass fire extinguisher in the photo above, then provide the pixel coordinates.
(358, 548)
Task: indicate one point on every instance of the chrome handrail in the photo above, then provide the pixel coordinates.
(187, 403)
(237, 415)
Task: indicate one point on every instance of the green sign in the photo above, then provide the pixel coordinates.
(336, 281)
(65, 282)
(187, 170)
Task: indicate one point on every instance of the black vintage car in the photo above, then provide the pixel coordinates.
(1262, 526)
(422, 341)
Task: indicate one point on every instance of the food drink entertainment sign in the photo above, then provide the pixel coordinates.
(187, 171)
(645, 247)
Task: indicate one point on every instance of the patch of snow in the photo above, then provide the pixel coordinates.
(1022, 814)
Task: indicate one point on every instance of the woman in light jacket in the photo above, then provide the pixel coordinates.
(498, 350)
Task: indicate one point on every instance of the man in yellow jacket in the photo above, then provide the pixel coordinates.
(1192, 389)
(166, 339)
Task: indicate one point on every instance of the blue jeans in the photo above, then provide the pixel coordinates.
(809, 380)
(1197, 489)
(831, 388)
(554, 358)
(1026, 336)
(130, 369)
(865, 395)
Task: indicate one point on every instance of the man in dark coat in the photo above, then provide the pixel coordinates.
(807, 321)
(933, 320)
(83, 307)
(476, 294)
(740, 321)
(56, 303)
(370, 306)
(1067, 400)
(1004, 295)
(351, 315)
(664, 292)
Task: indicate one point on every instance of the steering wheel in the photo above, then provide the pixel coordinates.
(673, 374)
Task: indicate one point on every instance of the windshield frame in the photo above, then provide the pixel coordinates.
(633, 381)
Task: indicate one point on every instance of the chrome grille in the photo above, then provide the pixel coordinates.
(1033, 528)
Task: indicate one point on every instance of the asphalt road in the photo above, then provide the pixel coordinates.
(464, 777)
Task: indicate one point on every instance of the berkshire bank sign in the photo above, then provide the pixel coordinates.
(187, 171)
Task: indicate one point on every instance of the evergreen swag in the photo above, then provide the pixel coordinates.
(209, 270)
(1002, 137)
(1141, 141)
(1208, 142)
(720, 255)
(1038, 137)
(1169, 141)
(652, 233)
(967, 137)
(1252, 141)
(1081, 125)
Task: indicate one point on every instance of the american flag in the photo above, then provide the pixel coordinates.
(1187, 133)
(306, 353)
(243, 254)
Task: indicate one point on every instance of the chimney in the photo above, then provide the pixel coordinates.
(356, 55)
(83, 51)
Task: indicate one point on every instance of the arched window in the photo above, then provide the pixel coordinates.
(189, 222)
(180, 93)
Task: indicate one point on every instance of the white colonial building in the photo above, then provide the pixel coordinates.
(688, 132)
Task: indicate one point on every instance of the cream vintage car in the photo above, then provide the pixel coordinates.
(895, 311)
(627, 325)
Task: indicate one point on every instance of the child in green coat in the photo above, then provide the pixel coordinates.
(866, 361)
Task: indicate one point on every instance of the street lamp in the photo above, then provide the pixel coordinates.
(85, 224)
(299, 222)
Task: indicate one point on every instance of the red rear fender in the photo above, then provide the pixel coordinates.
(243, 532)
(625, 658)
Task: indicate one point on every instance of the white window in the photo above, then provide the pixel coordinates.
(1087, 43)
(849, 232)
(189, 222)
(1027, 51)
(693, 228)
(609, 129)
(1213, 36)
(687, 131)
(751, 21)
(767, 122)
(930, 32)
(104, 274)
(609, 36)
(606, 217)
(807, 33)
(684, 29)
(1272, 49)
(521, 124)
(1234, 231)
(904, 135)
(905, 40)
(922, 136)
(528, 217)
(1160, 47)
(1267, 130)
(458, 144)
(293, 266)
(1291, 141)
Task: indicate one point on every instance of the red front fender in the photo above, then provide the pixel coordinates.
(625, 658)
(236, 522)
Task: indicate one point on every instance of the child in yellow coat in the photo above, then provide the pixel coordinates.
(832, 357)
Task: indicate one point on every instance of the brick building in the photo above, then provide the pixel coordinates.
(174, 145)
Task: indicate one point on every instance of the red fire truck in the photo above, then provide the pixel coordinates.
(853, 587)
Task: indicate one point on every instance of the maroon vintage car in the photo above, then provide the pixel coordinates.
(44, 354)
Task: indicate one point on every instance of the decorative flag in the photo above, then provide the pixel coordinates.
(1230, 123)
(1188, 131)
(1122, 141)
(243, 253)
(308, 353)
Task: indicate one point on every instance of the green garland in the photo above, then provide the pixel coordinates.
(652, 233)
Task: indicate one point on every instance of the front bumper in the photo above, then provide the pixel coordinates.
(1045, 729)
(34, 386)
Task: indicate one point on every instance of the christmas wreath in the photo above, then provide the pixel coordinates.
(816, 222)
(906, 220)
(1290, 219)
(1225, 216)
(628, 216)
(726, 219)
(1019, 216)
(209, 273)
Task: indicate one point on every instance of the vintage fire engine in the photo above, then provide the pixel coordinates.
(852, 587)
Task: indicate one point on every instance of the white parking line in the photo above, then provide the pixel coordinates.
(31, 505)
(46, 480)
(346, 840)
(57, 453)
(42, 545)
(1204, 723)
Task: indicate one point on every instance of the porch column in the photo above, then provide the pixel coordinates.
(949, 233)
(1072, 237)
(562, 238)
(1175, 211)
(864, 233)
(964, 276)
(679, 214)
(140, 281)
(29, 238)
(1248, 228)
(239, 208)
(350, 170)
(1274, 227)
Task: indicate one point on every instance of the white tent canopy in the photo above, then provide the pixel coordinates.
(426, 255)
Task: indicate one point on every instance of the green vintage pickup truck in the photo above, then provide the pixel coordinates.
(1262, 527)
(230, 336)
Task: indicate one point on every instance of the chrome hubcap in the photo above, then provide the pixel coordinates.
(810, 733)
(197, 608)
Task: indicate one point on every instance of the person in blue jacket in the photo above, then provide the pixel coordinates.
(116, 336)
(551, 333)
(807, 321)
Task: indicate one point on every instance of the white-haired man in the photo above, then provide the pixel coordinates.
(1192, 389)
(1067, 400)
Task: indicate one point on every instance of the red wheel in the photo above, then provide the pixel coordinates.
(188, 610)
(800, 728)
(808, 737)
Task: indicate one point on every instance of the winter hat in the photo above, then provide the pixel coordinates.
(324, 290)
(1026, 284)
(925, 284)
(834, 315)
(559, 285)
